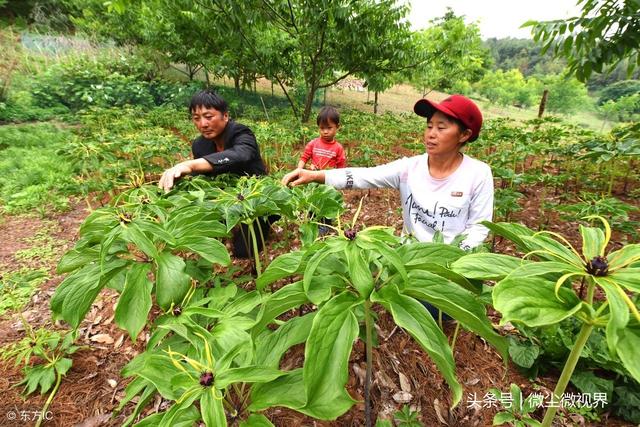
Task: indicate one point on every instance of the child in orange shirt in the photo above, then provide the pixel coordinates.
(325, 152)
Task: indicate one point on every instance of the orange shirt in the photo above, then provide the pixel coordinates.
(324, 155)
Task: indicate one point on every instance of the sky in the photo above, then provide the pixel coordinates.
(496, 18)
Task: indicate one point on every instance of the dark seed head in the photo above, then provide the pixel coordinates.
(598, 266)
(350, 234)
(177, 310)
(206, 379)
(240, 197)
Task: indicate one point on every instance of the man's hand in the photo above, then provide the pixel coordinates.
(302, 176)
(170, 175)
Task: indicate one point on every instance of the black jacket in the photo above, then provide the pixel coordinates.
(241, 154)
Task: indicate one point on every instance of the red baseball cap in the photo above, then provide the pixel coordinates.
(456, 106)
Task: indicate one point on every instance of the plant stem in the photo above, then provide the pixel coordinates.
(45, 408)
(455, 336)
(256, 254)
(567, 371)
(369, 354)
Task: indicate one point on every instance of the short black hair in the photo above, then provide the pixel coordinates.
(208, 98)
(328, 114)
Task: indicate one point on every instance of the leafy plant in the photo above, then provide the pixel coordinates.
(517, 408)
(53, 348)
(542, 293)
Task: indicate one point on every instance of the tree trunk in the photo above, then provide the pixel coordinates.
(236, 83)
(375, 102)
(308, 104)
(543, 103)
(324, 101)
(206, 77)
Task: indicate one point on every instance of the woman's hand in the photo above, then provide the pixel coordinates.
(302, 176)
(172, 174)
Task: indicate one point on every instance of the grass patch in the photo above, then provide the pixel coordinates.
(17, 287)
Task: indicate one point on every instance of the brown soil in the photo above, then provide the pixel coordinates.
(93, 388)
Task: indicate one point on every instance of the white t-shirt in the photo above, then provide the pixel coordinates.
(453, 205)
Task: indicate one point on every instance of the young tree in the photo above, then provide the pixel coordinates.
(607, 32)
(450, 51)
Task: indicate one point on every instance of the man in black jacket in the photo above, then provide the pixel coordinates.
(223, 146)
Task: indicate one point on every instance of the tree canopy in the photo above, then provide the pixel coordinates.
(606, 33)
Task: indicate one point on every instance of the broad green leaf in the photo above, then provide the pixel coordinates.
(186, 418)
(388, 255)
(212, 409)
(457, 302)
(623, 257)
(320, 288)
(331, 247)
(592, 241)
(244, 303)
(588, 382)
(502, 418)
(629, 350)
(247, 374)
(555, 250)
(271, 346)
(281, 301)
(185, 401)
(256, 420)
(475, 287)
(132, 233)
(81, 290)
(283, 266)
(524, 354)
(77, 258)
(513, 232)
(287, 391)
(543, 268)
(47, 379)
(158, 369)
(208, 248)
(63, 365)
(436, 253)
(326, 366)
(532, 301)
(627, 277)
(618, 312)
(486, 266)
(414, 318)
(156, 230)
(172, 283)
(135, 301)
(359, 272)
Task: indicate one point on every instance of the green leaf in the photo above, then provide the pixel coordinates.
(47, 379)
(271, 346)
(281, 301)
(77, 258)
(135, 302)
(186, 401)
(63, 365)
(187, 417)
(132, 233)
(543, 268)
(287, 391)
(330, 247)
(588, 382)
(256, 420)
(457, 302)
(413, 317)
(513, 232)
(158, 370)
(532, 301)
(359, 272)
(592, 241)
(212, 409)
(420, 252)
(555, 250)
(475, 287)
(326, 366)
(208, 248)
(283, 266)
(523, 354)
(486, 266)
(247, 374)
(83, 288)
(623, 257)
(503, 418)
(629, 350)
(618, 312)
(172, 283)
(627, 277)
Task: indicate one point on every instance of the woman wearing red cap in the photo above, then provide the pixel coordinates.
(442, 190)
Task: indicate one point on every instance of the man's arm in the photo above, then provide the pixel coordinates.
(188, 167)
